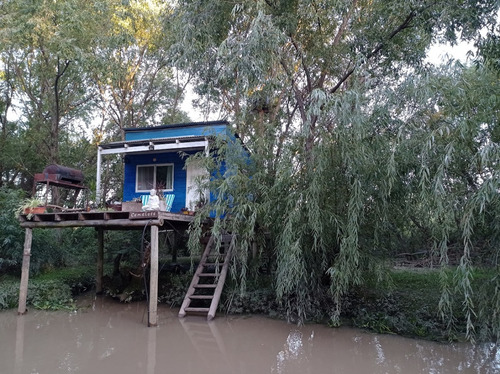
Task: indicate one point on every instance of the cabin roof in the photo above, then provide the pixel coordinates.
(178, 136)
(177, 130)
(177, 125)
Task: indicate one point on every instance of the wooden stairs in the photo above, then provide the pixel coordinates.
(204, 292)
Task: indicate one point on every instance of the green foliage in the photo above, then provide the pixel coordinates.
(173, 288)
(52, 290)
(65, 64)
(49, 295)
(359, 151)
(50, 248)
(9, 293)
(11, 234)
(409, 306)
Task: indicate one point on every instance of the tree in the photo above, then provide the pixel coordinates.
(7, 133)
(136, 85)
(320, 93)
(48, 44)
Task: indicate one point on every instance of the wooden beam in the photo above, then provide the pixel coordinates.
(25, 271)
(188, 145)
(121, 224)
(153, 279)
(100, 260)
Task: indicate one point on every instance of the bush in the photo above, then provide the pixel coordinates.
(409, 306)
(11, 234)
(50, 248)
(9, 293)
(50, 295)
(53, 290)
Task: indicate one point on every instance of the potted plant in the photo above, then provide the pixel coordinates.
(29, 207)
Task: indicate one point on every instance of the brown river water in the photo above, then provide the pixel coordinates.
(107, 337)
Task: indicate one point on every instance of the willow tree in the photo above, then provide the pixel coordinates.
(320, 93)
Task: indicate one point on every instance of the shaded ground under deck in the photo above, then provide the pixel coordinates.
(102, 221)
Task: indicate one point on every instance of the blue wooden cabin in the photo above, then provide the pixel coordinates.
(153, 157)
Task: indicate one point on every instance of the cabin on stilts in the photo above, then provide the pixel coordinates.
(154, 162)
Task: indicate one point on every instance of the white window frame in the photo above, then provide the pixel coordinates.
(154, 176)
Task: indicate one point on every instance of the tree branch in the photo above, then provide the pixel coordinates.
(404, 25)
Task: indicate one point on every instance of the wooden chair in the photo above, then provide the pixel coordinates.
(145, 199)
(169, 200)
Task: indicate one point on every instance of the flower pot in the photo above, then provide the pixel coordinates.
(35, 210)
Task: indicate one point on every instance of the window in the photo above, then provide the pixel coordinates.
(154, 176)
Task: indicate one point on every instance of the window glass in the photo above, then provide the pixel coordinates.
(164, 176)
(155, 176)
(145, 178)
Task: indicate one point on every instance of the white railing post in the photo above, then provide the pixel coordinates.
(98, 177)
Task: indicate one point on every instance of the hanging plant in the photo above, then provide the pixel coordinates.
(29, 207)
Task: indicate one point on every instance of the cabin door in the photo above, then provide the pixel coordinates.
(195, 174)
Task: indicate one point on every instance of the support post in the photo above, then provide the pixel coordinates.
(98, 178)
(254, 249)
(25, 271)
(100, 260)
(153, 279)
(174, 247)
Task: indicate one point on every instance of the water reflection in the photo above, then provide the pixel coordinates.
(19, 352)
(110, 337)
(151, 357)
(207, 343)
(293, 354)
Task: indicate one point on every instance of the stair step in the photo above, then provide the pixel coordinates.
(205, 286)
(208, 274)
(197, 310)
(201, 297)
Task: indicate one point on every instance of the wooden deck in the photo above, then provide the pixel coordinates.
(102, 221)
(109, 220)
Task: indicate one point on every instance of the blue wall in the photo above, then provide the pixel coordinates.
(131, 162)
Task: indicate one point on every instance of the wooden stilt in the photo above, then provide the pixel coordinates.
(174, 247)
(25, 271)
(254, 250)
(100, 260)
(153, 279)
